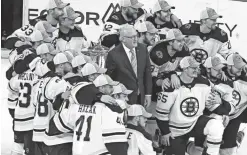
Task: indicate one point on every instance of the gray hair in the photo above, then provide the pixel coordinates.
(125, 29)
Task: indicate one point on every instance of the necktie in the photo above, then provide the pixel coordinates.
(133, 61)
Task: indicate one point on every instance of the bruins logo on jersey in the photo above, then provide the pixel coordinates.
(236, 97)
(189, 107)
(152, 68)
(187, 26)
(200, 55)
(159, 54)
(114, 17)
(223, 33)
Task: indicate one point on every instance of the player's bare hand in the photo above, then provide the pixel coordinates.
(176, 21)
(108, 99)
(155, 144)
(65, 95)
(215, 98)
(165, 140)
(223, 76)
(14, 73)
(226, 120)
(175, 82)
(147, 101)
(166, 83)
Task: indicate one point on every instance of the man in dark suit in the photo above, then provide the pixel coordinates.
(129, 64)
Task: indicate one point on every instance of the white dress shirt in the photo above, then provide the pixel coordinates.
(127, 51)
(129, 54)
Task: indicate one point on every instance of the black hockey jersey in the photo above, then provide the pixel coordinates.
(214, 42)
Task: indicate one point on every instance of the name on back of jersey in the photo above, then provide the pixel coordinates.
(26, 76)
(87, 109)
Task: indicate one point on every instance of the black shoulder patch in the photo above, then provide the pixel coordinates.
(220, 35)
(114, 17)
(170, 89)
(190, 29)
(243, 77)
(151, 19)
(117, 18)
(78, 27)
(228, 82)
(202, 80)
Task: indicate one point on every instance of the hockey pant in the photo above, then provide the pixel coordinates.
(205, 128)
(229, 147)
(151, 125)
(60, 149)
(25, 137)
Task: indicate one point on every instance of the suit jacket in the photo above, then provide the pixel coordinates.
(119, 69)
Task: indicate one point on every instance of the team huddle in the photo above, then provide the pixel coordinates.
(163, 83)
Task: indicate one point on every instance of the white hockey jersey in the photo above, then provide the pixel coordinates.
(240, 96)
(23, 33)
(24, 111)
(48, 89)
(182, 107)
(74, 40)
(138, 143)
(13, 94)
(93, 126)
(226, 91)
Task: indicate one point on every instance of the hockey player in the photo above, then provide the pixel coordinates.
(223, 88)
(140, 142)
(70, 36)
(163, 19)
(165, 57)
(225, 91)
(77, 64)
(24, 35)
(147, 33)
(28, 59)
(179, 112)
(45, 26)
(54, 11)
(236, 67)
(120, 92)
(23, 84)
(235, 72)
(49, 87)
(206, 39)
(89, 72)
(19, 37)
(129, 12)
(104, 131)
(63, 63)
(17, 146)
(237, 111)
(46, 51)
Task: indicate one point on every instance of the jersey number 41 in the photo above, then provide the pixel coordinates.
(80, 122)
